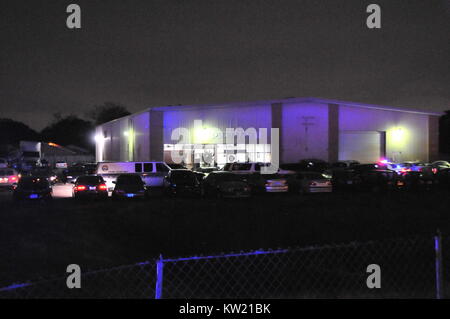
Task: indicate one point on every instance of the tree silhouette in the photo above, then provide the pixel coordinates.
(107, 112)
(69, 130)
(12, 132)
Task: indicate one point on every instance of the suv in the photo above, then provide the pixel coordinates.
(129, 186)
(182, 182)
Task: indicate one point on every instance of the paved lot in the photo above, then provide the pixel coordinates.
(42, 239)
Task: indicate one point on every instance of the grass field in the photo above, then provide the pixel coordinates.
(41, 240)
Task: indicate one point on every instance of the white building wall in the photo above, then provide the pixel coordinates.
(231, 117)
(304, 132)
(141, 137)
(406, 133)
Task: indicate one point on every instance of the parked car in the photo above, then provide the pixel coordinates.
(226, 184)
(90, 186)
(32, 188)
(206, 170)
(412, 166)
(276, 183)
(310, 182)
(248, 168)
(176, 166)
(8, 177)
(339, 166)
(437, 166)
(129, 186)
(416, 181)
(152, 173)
(182, 182)
(71, 174)
(364, 177)
(45, 172)
(344, 164)
(243, 168)
(378, 180)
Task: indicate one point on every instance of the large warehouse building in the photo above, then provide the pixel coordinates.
(308, 128)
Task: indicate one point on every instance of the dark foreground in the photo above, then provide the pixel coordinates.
(41, 240)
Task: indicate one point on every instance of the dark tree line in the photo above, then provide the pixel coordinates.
(63, 130)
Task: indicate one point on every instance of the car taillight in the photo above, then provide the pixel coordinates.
(80, 188)
(102, 187)
(13, 179)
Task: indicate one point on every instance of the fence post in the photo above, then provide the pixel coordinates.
(159, 277)
(438, 263)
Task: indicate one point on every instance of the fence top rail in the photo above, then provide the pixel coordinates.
(267, 252)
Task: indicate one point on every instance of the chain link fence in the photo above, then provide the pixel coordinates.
(410, 268)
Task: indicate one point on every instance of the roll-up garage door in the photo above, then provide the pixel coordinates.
(362, 146)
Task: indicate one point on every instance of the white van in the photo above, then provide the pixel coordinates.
(152, 173)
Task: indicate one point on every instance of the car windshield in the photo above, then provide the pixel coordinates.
(176, 166)
(6, 172)
(293, 166)
(89, 180)
(242, 167)
(129, 179)
(27, 182)
(313, 176)
(183, 177)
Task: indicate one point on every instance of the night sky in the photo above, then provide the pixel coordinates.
(148, 53)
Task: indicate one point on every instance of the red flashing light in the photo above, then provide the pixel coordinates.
(80, 188)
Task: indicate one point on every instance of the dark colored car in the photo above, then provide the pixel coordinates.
(45, 172)
(32, 188)
(416, 181)
(90, 187)
(378, 180)
(366, 177)
(176, 166)
(182, 182)
(71, 174)
(129, 186)
(309, 182)
(206, 170)
(226, 184)
(311, 165)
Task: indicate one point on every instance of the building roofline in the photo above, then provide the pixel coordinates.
(289, 100)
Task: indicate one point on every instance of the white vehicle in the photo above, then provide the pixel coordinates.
(8, 177)
(152, 173)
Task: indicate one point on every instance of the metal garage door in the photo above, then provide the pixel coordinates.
(362, 146)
